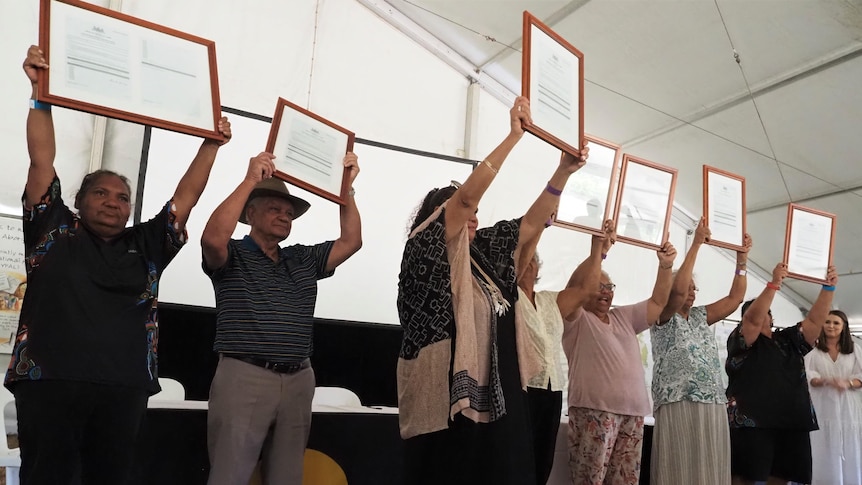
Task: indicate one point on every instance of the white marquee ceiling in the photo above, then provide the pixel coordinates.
(662, 80)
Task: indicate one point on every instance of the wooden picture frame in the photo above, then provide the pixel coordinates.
(552, 78)
(111, 64)
(588, 197)
(724, 209)
(645, 199)
(809, 243)
(309, 151)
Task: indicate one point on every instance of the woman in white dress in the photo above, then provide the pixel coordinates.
(834, 371)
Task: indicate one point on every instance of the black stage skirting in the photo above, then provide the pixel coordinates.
(367, 446)
(173, 448)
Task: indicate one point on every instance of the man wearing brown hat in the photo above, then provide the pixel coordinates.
(260, 397)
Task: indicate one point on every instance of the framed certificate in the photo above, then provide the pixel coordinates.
(808, 243)
(724, 207)
(644, 202)
(111, 64)
(552, 77)
(309, 151)
(588, 195)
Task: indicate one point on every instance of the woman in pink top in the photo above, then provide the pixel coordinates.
(607, 392)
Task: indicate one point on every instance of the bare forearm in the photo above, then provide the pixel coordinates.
(42, 149)
(590, 269)
(540, 211)
(351, 223)
(480, 179)
(821, 307)
(756, 321)
(663, 283)
(683, 274)
(816, 317)
(222, 222)
(194, 181)
(738, 287)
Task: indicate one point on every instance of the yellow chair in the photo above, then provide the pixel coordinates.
(318, 469)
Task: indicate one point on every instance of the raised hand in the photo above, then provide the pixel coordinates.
(746, 244)
(666, 255)
(519, 116)
(35, 60)
(260, 167)
(351, 162)
(701, 232)
(831, 276)
(779, 273)
(224, 129)
(610, 236)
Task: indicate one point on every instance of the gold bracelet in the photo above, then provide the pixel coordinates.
(488, 164)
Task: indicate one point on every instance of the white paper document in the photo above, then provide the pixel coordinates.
(310, 151)
(105, 62)
(810, 244)
(554, 89)
(726, 213)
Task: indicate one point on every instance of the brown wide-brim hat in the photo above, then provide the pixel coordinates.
(273, 187)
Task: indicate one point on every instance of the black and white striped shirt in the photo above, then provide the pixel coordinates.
(265, 308)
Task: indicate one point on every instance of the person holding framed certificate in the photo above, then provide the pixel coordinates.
(607, 398)
(691, 443)
(85, 361)
(463, 363)
(261, 393)
(543, 313)
(768, 402)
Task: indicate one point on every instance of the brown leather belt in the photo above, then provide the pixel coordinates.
(280, 367)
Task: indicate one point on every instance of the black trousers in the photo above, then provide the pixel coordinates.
(77, 432)
(546, 407)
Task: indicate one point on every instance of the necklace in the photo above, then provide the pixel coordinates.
(501, 306)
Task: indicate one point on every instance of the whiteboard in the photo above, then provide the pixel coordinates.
(13, 279)
(390, 185)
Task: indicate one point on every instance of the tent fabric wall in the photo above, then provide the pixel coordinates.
(345, 63)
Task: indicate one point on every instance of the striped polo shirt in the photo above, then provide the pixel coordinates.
(265, 308)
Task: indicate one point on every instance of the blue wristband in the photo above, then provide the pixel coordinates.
(828, 288)
(35, 104)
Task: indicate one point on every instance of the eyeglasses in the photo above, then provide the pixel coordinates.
(455, 183)
(609, 287)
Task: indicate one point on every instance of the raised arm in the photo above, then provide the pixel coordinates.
(720, 309)
(533, 222)
(758, 319)
(193, 182)
(682, 281)
(589, 274)
(813, 322)
(663, 282)
(223, 220)
(40, 134)
(590, 268)
(465, 201)
(351, 225)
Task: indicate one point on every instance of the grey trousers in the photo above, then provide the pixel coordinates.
(257, 414)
